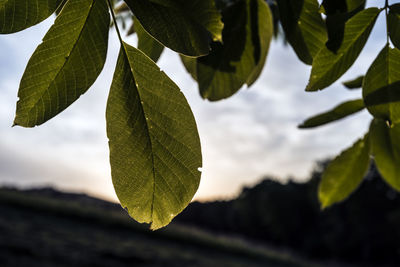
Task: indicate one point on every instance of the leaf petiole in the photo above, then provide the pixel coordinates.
(110, 6)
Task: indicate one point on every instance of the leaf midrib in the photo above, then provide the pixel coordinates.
(146, 129)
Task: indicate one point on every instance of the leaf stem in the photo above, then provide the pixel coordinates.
(387, 21)
(115, 21)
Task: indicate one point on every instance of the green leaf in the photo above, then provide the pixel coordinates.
(154, 144)
(328, 66)
(355, 83)
(241, 58)
(304, 27)
(385, 146)
(146, 43)
(354, 4)
(17, 15)
(344, 174)
(66, 63)
(184, 26)
(394, 24)
(381, 88)
(339, 112)
(191, 65)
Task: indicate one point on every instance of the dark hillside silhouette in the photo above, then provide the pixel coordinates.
(42, 227)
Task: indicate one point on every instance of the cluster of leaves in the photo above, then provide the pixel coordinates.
(348, 25)
(155, 151)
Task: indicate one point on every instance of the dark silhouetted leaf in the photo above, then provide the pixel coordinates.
(354, 84)
(339, 112)
(17, 15)
(154, 144)
(303, 26)
(184, 26)
(123, 7)
(131, 29)
(66, 63)
(261, 33)
(190, 65)
(381, 88)
(385, 146)
(338, 12)
(147, 44)
(328, 66)
(344, 174)
(240, 59)
(394, 24)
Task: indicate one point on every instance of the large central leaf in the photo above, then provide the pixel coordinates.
(154, 145)
(184, 26)
(66, 63)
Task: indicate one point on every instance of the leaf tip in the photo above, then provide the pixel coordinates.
(323, 206)
(324, 202)
(301, 126)
(311, 88)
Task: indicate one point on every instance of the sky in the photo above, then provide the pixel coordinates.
(244, 138)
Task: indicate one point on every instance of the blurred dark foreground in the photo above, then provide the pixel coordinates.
(268, 225)
(44, 227)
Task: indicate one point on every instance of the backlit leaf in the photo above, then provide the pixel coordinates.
(329, 66)
(385, 146)
(184, 26)
(17, 15)
(381, 88)
(344, 174)
(355, 83)
(154, 144)
(146, 43)
(339, 112)
(66, 63)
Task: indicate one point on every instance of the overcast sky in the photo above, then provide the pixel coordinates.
(244, 138)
